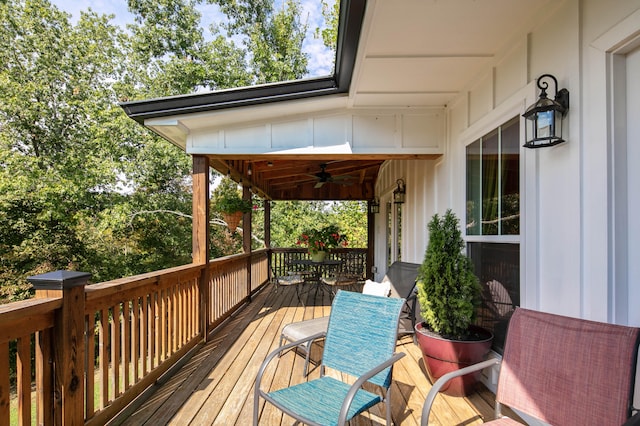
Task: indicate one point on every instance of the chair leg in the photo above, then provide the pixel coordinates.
(280, 344)
(306, 358)
(387, 402)
(298, 294)
(256, 408)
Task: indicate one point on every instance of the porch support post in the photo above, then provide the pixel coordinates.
(267, 224)
(371, 237)
(267, 235)
(246, 237)
(200, 240)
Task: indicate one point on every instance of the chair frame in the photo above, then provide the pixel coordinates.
(319, 324)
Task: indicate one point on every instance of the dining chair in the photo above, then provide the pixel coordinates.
(360, 342)
(294, 279)
(561, 371)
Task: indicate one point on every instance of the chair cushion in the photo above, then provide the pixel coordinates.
(301, 329)
(327, 395)
(376, 289)
(290, 279)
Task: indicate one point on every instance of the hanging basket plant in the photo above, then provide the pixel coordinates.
(232, 220)
(229, 203)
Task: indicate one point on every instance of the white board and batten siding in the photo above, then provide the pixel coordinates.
(347, 132)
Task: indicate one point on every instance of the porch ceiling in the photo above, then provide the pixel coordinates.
(294, 178)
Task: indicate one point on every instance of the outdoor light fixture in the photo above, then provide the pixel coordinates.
(398, 193)
(544, 118)
(374, 206)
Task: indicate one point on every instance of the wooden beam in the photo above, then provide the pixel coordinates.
(200, 209)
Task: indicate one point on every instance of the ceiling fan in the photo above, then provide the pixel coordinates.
(323, 177)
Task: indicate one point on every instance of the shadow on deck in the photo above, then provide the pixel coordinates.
(215, 386)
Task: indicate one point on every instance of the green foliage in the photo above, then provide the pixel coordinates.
(448, 290)
(274, 38)
(331, 13)
(227, 198)
(289, 219)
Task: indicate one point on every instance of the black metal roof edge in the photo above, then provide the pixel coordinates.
(349, 29)
(350, 25)
(253, 95)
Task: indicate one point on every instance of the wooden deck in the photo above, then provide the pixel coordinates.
(215, 386)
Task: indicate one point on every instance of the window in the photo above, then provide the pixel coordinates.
(493, 195)
(493, 224)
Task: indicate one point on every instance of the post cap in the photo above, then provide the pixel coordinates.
(58, 280)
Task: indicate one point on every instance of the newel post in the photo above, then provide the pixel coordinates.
(68, 342)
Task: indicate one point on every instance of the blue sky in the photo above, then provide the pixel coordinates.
(320, 59)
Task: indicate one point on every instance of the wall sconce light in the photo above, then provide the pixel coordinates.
(374, 206)
(544, 118)
(399, 192)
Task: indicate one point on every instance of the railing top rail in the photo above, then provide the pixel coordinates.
(97, 291)
(19, 310)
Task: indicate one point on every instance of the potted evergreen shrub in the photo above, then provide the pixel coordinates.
(449, 295)
(228, 201)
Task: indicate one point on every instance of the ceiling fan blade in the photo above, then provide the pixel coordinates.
(319, 184)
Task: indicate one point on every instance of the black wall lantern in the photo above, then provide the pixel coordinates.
(398, 193)
(374, 206)
(544, 118)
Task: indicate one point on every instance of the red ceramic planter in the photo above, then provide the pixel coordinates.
(442, 356)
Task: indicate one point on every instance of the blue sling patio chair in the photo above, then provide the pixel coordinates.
(360, 342)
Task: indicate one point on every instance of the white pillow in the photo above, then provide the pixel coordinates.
(376, 289)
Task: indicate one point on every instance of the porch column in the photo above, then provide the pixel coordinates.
(200, 178)
(246, 237)
(200, 243)
(371, 237)
(267, 224)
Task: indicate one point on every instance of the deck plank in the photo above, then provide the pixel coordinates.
(216, 385)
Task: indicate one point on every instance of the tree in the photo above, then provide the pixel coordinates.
(57, 107)
(81, 185)
(329, 34)
(273, 38)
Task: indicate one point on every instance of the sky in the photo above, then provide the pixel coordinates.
(320, 58)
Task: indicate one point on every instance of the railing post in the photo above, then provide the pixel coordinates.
(68, 343)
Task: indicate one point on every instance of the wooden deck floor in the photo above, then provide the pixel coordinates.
(215, 387)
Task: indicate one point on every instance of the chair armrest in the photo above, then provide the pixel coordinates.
(361, 381)
(280, 349)
(431, 396)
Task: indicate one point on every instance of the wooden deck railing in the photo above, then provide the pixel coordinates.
(81, 353)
